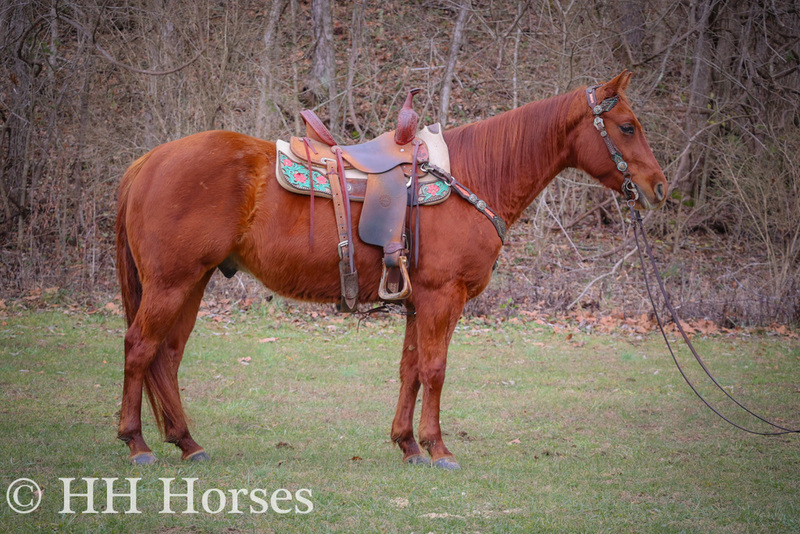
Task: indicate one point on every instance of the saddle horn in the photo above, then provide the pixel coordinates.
(407, 121)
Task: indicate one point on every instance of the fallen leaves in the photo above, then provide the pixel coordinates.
(222, 311)
(783, 330)
(645, 323)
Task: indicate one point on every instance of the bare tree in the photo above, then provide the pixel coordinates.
(87, 87)
(455, 46)
(321, 82)
(266, 79)
(356, 31)
(702, 13)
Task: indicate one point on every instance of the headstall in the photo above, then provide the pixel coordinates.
(628, 187)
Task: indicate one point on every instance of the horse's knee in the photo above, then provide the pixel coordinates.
(432, 374)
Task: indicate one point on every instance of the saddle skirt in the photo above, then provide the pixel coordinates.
(292, 172)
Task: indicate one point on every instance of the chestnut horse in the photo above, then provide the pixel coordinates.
(189, 205)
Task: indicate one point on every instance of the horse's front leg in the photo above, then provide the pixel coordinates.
(437, 315)
(403, 424)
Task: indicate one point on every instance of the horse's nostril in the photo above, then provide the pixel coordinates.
(659, 191)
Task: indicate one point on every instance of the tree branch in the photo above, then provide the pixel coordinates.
(81, 28)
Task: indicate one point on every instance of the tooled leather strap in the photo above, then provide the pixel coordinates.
(464, 192)
(597, 110)
(347, 273)
(309, 148)
(316, 129)
(346, 201)
(338, 207)
(415, 199)
(341, 207)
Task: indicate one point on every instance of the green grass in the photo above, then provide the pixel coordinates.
(588, 433)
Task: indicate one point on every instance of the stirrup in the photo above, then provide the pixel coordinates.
(401, 294)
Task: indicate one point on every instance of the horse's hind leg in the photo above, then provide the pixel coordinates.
(154, 319)
(176, 429)
(403, 424)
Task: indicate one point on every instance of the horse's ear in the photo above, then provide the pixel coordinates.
(625, 79)
(617, 85)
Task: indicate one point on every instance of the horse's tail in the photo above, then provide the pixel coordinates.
(127, 273)
(159, 380)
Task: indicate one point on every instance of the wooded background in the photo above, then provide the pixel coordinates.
(86, 87)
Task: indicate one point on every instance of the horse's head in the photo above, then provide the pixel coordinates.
(610, 145)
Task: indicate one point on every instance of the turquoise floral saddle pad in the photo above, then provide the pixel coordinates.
(293, 174)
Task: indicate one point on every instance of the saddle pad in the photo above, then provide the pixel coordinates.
(292, 172)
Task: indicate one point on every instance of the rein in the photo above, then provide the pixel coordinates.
(639, 229)
(631, 193)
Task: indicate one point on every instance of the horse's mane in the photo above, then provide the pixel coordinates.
(509, 158)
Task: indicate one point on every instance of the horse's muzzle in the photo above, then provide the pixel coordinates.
(653, 200)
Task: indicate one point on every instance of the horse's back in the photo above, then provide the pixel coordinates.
(203, 161)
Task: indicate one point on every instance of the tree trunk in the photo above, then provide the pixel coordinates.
(699, 90)
(455, 46)
(322, 78)
(632, 25)
(266, 101)
(355, 43)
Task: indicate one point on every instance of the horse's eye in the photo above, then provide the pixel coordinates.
(627, 129)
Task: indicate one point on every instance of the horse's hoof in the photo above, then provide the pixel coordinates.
(199, 456)
(449, 463)
(417, 459)
(143, 458)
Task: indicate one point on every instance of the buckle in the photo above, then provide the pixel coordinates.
(341, 247)
(599, 124)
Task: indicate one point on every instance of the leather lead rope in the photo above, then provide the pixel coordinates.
(631, 195)
(639, 229)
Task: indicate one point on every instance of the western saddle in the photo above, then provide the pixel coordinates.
(385, 174)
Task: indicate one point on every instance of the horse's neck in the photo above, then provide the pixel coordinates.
(509, 159)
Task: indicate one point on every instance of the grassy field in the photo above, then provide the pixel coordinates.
(555, 430)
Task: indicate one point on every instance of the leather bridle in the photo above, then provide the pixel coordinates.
(629, 189)
(631, 192)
